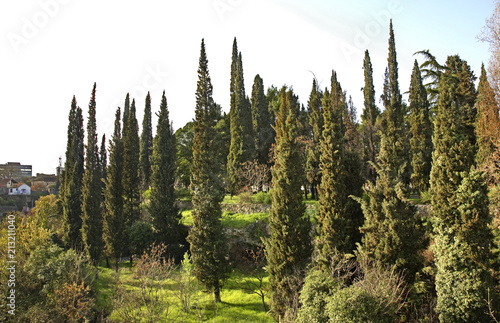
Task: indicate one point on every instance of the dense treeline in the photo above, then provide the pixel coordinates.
(367, 243)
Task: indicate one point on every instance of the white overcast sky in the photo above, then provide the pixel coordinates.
(54, 49)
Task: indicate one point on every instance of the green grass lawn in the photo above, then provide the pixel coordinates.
(239, 303)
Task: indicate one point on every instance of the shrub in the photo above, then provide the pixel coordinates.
(245, 197)
(262, 198)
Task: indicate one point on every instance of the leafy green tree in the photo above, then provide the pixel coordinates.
(421, 132)
(166, 216)
(288, 247)
(114, 230)
(131, 180)
(242, 147)
(184, 138)
(262, 122)
(206, 238)
(371, 139)
(71, 193)
(92, 190)
(488, 120)
(146, 145)
(394, 126)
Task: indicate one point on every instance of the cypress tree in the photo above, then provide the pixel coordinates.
(103, 161)
(126, 112)
(353, 164)
(131, 180)
(162, 209)
(146, 145)
(459, 207)
(242, 148)
(371, 112)
(421, 132)
(393, 234)
(334, 228)
(73, 175)
(262, 122)
(488, 120)
(462, 254)
(206, 238)
(288, 247)
(113, 224)
(92, 189)
(394, 116)
(316, 124)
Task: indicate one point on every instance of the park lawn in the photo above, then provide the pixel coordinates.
(239, 303)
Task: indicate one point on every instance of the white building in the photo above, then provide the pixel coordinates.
(20, 189)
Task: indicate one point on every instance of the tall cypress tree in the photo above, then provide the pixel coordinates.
(393, 234)
(394, 116)
(131, 179)
(103, 161)
(369, 118)
(113, 224)
(459, 207)
(146, 145)
(206, 238)
(334, 228)
(488, 120)
(288, 247)
(92, 189)
(242, 148)
(262, 122)
(316, 124)
(421, 132)
(165, 214)
(73, 175)
(126, 112)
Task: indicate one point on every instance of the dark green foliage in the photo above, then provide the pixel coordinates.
(393, 234)
(114, 228)
(371, 139)
(184, 137)
(421, 132)
(242, 147)
(288, 248)
(206, 238)
(131, 180)
(146, 145)
(140, 237)
(92, 190)
(162, 209)
(262, 122)
(334, 227)
(126, 112)
(487, 121)
(462, 254)
(464, 79)
(453, 154)
(394, 127)
(316, 124)
(459, 206)
(71, 193)
(103, 159)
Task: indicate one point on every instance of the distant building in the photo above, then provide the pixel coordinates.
(14, 170)
(16, 188)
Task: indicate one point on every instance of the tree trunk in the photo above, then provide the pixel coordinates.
(217, 293)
